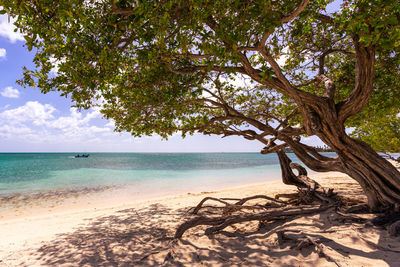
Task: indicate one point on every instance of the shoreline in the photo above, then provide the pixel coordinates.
(23, 205)
(64, 202)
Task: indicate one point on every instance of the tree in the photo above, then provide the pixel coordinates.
(161, 67)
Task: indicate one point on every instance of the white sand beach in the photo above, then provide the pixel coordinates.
(139, 233)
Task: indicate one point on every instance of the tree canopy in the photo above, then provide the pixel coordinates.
(166, 66)
(265, 70)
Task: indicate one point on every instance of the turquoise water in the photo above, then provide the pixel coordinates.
(142, 172)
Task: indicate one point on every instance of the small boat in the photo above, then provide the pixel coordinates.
(82, 156)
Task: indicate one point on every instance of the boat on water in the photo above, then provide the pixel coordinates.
(82, 156)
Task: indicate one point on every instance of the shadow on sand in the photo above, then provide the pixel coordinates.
(133, 237)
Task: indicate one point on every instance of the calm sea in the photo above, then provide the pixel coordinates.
(142, 172)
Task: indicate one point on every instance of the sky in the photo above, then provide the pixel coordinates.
(34, 122)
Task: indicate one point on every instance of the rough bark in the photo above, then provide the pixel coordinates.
(288, 177)
(219, 223)
(379, 179)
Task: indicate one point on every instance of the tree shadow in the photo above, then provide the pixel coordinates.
(142, 237)
(116, 240)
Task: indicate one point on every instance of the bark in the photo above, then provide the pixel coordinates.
(379, 179)
(288, 177)
(220, 223)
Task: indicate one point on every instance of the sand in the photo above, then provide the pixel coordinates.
(137, 233)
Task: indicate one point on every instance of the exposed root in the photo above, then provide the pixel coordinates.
(305, 241)
(288, 177)
(289, 196)
(232, 207)
(219, 223)
(244, 200)
(310, 198)
(350, 217)
(199, 206)
(357, 208)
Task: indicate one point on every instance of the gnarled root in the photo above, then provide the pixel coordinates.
(219, 223)
(308, 189)
(311, 198)
(288, 177)
(231, 207)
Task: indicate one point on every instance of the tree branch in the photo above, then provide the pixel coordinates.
(285, 19)
(296, 12)
(330, 86)
(364, 81)
(312, 162)
(194, 68)
(328, 83)
(194, 56)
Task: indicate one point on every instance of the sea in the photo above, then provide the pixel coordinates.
(27, 179)
(36, 172)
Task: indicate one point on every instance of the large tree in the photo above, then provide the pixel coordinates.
(271, 71)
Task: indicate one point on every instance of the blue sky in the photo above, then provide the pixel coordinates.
(34, 122)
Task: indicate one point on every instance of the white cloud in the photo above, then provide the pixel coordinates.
(37, 123)
(7, 29)
(42, 128)
(110, 124)
(3, 53)
(10, 92)
(8, 131)
(75, 121)
(32, 111)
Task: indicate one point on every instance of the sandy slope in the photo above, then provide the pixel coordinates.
(137, 233)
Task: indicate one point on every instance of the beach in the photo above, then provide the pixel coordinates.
(138, 232)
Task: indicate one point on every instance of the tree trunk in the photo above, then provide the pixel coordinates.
(379, 179)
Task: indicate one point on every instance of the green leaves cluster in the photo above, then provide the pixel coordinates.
(141, 59)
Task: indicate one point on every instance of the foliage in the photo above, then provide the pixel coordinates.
(167, 66)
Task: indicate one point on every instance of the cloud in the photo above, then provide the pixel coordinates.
(32, 111)
(8, 131)
(38, 123)
(75, 121)
(7, 29)
(3, 53)
(5, 107)
(10, 92)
